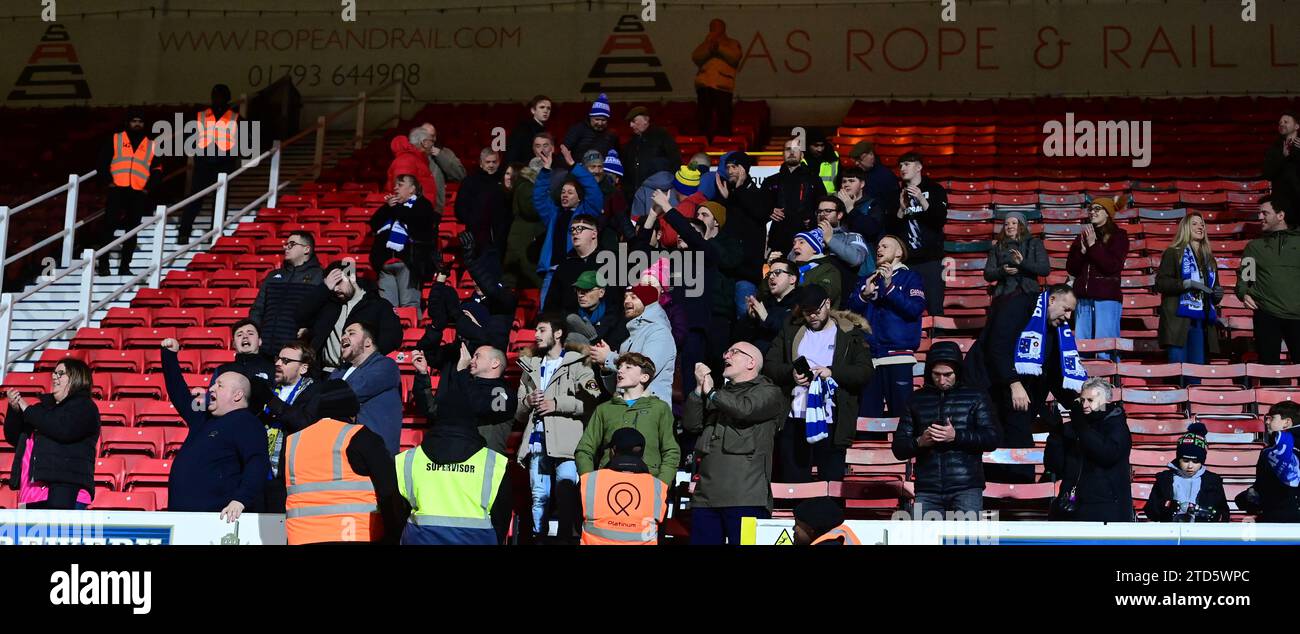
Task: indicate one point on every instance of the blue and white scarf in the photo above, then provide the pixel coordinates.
(804, 268)
(1029, 348)
(1193, 303)
(820, 412)
(1281, 457)
(397, 235)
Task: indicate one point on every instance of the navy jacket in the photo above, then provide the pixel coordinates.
(378, 386)
(894, 315)
(223, 458)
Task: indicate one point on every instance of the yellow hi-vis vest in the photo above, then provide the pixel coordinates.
(450, 503)
(828, 172)
(130, 167)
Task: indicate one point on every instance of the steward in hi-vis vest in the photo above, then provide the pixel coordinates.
(623, 503)
(130, 168)
(216, 152)
(339, 477)
(820, 522)
(457, 488)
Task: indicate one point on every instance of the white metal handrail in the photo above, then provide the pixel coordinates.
(220, 221)
(72, 187)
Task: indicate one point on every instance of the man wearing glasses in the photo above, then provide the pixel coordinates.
(736, 422)
(284, 289)
(291, 408)
(767, 316)
(580, 259)
(848, 248)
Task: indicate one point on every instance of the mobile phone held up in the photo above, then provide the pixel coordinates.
(801, 366)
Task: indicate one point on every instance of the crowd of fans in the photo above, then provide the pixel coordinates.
(766, 319)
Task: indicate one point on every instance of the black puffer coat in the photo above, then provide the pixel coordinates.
(959, 465)
(65, 435)
(1092, 452)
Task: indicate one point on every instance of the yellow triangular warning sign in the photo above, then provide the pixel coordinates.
(784, 539)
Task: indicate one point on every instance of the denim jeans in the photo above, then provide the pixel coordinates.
(1098, 319)
(1191, 352)
(744, 289)
(543, 470)
(966, 501)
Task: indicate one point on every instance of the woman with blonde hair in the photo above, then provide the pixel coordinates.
(1017, 259)
(1188, 283)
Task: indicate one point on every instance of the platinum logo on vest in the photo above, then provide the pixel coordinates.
(179, 137)
(93, 587)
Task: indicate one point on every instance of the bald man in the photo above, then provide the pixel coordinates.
(475, 392)
(736, 422)
(223, 465)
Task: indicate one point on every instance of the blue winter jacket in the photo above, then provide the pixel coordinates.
(555, 218)
(894, 315)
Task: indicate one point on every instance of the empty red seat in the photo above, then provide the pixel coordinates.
(110, 471)
(119, 317)
(323, 216)
(243, 297)
(173, 438)
(50, 358)
(154, 298)
(224, 317)
(134, 440)
(124, 501)
(184, 279)
(233, 245)
(116, 360)
(260, 263)
(30, 384)
(202, 337)
(97, 338)
(149, 472)
(205, 297)
(145, 386)
(209, 262)
(159, 414)
(146, 337)
(177, 317)
(233, 279)
(117, 413)
(256, 230)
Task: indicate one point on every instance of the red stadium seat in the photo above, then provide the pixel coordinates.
(224, 317)
(173, 438)
(124, 501)
(177, 317)
(149, 473)
(184, 279)
(146, 386)
(116, 413)
(134, 440)
(110, 471)
(234, 279)
(205, 298)
(119, 317)
(1219, 400)
(157, 414)
(146, 337)
(97, 338)
(116, 360)
(50, 358)
(29, 384)
(200, 337)
(243, 297)
(154, 298)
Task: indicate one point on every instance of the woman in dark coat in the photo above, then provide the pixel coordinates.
(1188, 284)
(55, 438)
(1017, 259)
(1090, 454)
(404, 261)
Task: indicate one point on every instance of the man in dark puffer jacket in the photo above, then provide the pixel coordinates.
(276, 306)
(946, 427)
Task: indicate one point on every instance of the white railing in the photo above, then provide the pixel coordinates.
(87, 306)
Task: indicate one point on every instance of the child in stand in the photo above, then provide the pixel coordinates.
(1188, 492)
(1275, 496)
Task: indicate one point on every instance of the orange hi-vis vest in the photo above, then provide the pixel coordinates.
(220, 131)
(130, 167)
(328, 501)
(843, 530)
(621, 509)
